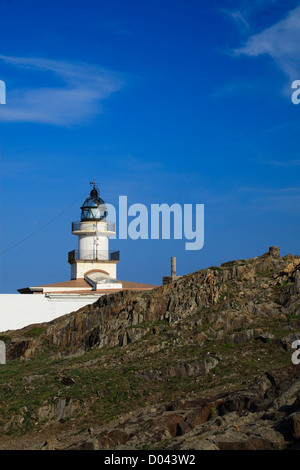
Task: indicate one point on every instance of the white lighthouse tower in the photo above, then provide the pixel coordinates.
(93, 274)
(93, 260)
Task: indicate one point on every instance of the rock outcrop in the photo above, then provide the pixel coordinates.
(203, 362)
(265, 416)
(262, 286)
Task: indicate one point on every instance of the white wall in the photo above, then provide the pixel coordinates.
(19, 310)
(79, 269)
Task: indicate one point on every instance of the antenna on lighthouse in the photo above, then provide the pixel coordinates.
(95, 190)
(93, 183)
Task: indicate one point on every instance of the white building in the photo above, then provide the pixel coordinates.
(93, 274)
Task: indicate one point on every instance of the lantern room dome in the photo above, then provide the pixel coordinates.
(93, 207)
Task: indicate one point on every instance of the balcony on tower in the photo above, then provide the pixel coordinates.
(93, 255)
(80, 228)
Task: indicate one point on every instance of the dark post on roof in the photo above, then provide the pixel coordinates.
(173, 277)
(173, 266)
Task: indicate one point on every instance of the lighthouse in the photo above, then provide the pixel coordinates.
(93, 261)
(93, 273)
(93, 232)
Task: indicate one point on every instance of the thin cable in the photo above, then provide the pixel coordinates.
(41, 228)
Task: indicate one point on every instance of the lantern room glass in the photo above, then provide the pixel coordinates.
(93, 207)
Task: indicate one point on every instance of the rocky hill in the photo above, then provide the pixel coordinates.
(204, 362)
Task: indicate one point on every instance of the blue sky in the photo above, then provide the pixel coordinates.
(167, 101)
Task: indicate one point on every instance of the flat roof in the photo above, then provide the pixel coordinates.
(79, 283)
(81, 286)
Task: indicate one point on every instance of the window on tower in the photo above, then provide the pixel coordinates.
(93, 207)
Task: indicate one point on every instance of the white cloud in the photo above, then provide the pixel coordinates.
(283, 164)
(286, 200)
(238, 17)
(280, 41)
(79, 93)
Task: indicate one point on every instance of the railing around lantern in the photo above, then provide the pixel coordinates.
(94, 226)
(90, 255)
